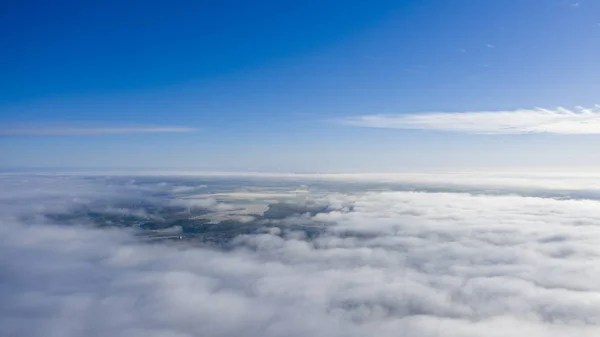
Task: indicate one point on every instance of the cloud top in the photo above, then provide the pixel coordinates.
(88, 131)
(580, 121)
(357, 262)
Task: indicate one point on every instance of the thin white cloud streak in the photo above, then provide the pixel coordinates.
(582, 121)
(89, 131)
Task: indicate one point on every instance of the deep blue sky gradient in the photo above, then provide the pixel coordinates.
(262, 80)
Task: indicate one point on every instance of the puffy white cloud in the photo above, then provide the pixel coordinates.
(554, 121)
(383, 264)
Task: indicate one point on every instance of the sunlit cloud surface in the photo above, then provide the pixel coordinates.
(346, 260)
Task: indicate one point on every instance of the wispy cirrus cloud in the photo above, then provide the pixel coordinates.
(41, 130)
(579, 121)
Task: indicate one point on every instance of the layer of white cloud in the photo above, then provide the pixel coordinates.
(88, 131)
(386, 263)
(553, 121)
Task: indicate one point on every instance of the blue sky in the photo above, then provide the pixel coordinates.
(299, 86)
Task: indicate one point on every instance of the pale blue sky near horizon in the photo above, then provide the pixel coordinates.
(272, 85)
